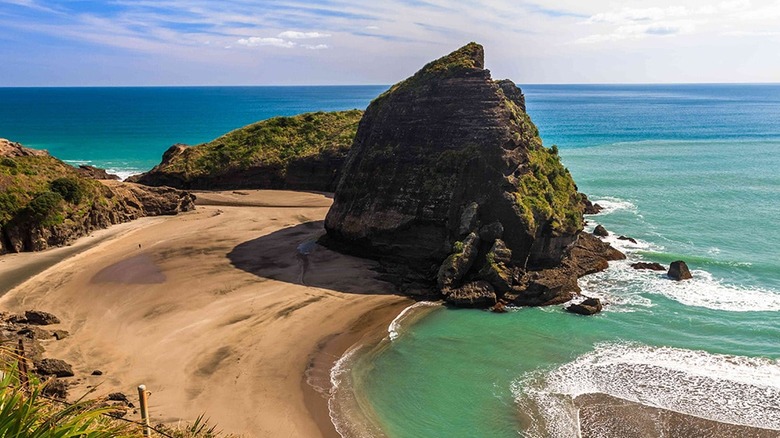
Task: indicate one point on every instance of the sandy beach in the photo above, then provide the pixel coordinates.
(230, 310)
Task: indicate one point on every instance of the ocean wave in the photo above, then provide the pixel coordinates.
(730, 389)
(394, 329)
(626, 288)
(611, 204)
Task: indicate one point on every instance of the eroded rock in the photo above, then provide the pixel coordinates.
(589, 306)
(678, 270)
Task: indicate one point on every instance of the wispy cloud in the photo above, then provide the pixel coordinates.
(295, 35)
(262, 41)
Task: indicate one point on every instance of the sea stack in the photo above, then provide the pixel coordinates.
(448, 184)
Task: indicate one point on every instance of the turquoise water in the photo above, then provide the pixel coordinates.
(691, 171)
(126, 130)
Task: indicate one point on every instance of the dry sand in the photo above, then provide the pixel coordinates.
(216, 311)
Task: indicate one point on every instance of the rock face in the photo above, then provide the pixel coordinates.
(303, 152)
(678, 270)
(448, 184)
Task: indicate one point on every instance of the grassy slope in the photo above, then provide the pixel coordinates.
(29, 193)
(274, 143)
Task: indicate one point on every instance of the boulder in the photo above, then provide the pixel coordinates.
(97, 373)
(56, 388)
(474, 294)
(589, 306)
(468, 219)
(54, 367)
(646, 265)
(496, 271)
(38, 317)
(600, 231)
(679, 271)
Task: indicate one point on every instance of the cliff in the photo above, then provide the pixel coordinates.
(449, 185)
(303, 152)
(45, 202)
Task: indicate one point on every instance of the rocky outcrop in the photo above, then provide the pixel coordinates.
(303, 152)
(589, 306)
(448, 184)
(95, 172)
(649, 266)
(678, 270)
(589, 207)
(10, 149)
(45, 202)
(600, 231)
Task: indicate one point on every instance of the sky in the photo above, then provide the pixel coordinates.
(332, 42)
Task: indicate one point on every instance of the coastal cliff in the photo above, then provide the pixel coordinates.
(303, 152)
(448, 184)
(45, 202)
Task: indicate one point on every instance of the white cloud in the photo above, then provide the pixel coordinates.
(261, 41)
(294, 35)
(315, 47)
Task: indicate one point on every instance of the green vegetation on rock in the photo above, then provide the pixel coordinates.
(274, 143)
(41, 190)
(546, 193)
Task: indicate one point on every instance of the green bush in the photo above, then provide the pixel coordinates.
(43, 207)
(8, 162)
(69, 188)
(9, 205)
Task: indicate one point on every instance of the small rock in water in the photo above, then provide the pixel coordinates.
(590, 306)
(601, 231)
(645, 265)
(678, 270)
(630, 239)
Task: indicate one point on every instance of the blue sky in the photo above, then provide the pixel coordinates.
(280, 42)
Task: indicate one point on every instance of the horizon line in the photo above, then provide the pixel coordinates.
(373, 85)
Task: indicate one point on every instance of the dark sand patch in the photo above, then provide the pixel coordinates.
(140, 269)
(603, 416)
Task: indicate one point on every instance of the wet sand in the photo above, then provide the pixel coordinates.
(605, 416)
(213, 312)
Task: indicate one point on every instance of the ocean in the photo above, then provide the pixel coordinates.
(690, 171)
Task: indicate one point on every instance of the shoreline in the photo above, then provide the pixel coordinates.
(210, 310)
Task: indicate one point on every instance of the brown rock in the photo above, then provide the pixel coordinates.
(651, 266)
(589, 207)
(38, 317)
(678, 270)
(600, 231)
(54, 367)
(630, 239)
(95, 172)
(455, 267)
(590, 306)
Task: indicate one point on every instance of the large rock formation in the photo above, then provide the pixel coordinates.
(45, 202)
(303, 152)
(448, 183)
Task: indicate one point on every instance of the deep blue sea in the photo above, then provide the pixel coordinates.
(690, 171)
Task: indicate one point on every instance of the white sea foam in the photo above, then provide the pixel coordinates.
(123, 173)
(730, 389)
(626, 288)
(394, 329)
(611, 205)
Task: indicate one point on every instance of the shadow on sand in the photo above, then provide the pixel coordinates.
(292, 255)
